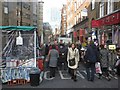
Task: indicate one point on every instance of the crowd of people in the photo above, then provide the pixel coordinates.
(67, 56)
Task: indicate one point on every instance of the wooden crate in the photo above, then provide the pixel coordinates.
(17, 82)
(12, 82)
(21, 81)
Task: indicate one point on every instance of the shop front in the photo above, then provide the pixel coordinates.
(80, 30)
(108, 28)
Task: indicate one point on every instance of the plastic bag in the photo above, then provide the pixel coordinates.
(98, 68)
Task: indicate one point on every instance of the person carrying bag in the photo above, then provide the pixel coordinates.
(73, 59)
(98, 68)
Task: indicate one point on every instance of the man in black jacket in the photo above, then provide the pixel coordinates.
(62, 55)
(91, 57)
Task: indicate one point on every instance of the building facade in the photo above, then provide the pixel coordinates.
(77, 18)
(102, 20)
(63, 20)
(40, 21)
(47, 32)
(106, 21)
(19, 13)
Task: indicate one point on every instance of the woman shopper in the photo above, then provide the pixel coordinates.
(104, 60)
(53, 59)
(73, 59)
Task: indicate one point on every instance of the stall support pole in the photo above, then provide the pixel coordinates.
(35, 47)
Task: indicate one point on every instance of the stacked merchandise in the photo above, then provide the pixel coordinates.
(9, 74)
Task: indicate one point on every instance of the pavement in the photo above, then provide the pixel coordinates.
(63, 80)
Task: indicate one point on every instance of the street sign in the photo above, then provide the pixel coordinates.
(112, 47)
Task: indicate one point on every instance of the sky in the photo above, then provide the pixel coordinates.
(51, 11)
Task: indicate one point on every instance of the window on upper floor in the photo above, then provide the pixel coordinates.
(102, 6)
(75, 20)
(77, 17)
(110, 6)
(6, 10)
(75, 6)
(93, 4)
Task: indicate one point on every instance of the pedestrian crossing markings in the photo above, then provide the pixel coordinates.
(64, 75)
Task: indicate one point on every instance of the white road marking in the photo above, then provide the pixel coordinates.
(62, 77)
(97, 75)
(77, 73)
(80, 75)
(84, 71)
(45, 76)
(113, 76)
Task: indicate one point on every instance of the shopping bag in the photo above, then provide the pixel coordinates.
(117, 63)
(98, 68)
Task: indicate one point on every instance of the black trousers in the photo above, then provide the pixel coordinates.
(72, 72)
(64, 61)
(52, 71)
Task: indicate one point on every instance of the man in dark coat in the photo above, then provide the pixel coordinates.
(91, 57)
(62, 59)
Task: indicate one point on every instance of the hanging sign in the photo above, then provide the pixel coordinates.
(84, 12)
(112, 47)
(19, 40)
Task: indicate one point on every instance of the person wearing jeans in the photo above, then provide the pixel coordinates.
(90, 69)
(91, 57)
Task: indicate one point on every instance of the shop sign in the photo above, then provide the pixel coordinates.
(95, 23)
(84, 12)
(112, 47)
(109, 20)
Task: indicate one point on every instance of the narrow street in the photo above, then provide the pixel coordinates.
(38, 36)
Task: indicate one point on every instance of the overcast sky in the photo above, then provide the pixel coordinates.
(54, 6)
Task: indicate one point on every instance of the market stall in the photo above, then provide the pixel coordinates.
(18, 54)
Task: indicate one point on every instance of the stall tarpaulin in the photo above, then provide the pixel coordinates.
(18, 28)
(26, 29)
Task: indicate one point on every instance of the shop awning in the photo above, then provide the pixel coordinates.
(19, 28)
(95, 23)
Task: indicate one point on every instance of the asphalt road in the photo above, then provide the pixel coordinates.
(63, 80)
